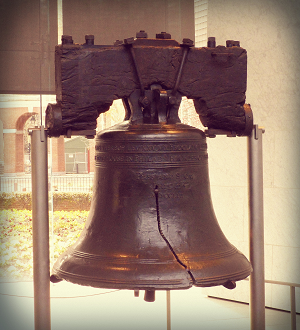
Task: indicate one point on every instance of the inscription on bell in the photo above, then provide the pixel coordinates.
(151, 147)
(169, 158)
(155, 154)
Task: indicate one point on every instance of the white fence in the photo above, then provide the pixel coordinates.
(72, 182)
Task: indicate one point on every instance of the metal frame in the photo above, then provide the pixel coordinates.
(168, 310)
(40, 229)
(40, 218)
(256, 229)
(293, 287)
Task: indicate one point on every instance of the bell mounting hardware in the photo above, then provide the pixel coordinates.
(151, 224)
(150, 76)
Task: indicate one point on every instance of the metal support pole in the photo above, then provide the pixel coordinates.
(256, 229)
(40, 229)
(168, 310)
(293, 308)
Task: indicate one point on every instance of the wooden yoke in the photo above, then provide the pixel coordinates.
(90, 77)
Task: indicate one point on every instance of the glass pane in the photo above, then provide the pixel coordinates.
(18, 113)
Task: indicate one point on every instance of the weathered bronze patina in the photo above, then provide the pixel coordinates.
(151, 225)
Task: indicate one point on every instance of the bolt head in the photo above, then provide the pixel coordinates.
(66, 40)
(129, 41)
(229, 43)
(118, 43)
(211, 42)
(187, 42)
(89, 39)
(142, 34)
(163, 35)
(144, 101)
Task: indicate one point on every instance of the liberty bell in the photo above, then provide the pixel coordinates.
(151, 224)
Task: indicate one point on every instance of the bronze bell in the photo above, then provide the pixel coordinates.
(151, 224)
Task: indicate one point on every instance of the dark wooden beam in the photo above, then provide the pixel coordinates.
(89, 78)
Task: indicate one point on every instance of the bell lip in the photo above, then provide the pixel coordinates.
(167, 284)
(73, 266)
(235, 277)
(102, 284)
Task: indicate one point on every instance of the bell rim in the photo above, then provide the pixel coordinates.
(184, 282)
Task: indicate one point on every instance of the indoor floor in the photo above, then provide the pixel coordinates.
(77, 307)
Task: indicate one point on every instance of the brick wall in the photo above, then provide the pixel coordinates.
(58, 155)
(9, 157)
(13, 120)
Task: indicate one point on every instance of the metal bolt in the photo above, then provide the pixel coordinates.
(129, 41)
(55, 279)
(211, 42)
(230, 285)
(89, 39)
(144, 102)
(118, 43)
(163, 35)
(149, 295)
(229, 43)
(66, 40)
(187, 42)
(142, 34)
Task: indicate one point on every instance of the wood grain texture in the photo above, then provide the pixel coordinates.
(90, 78)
